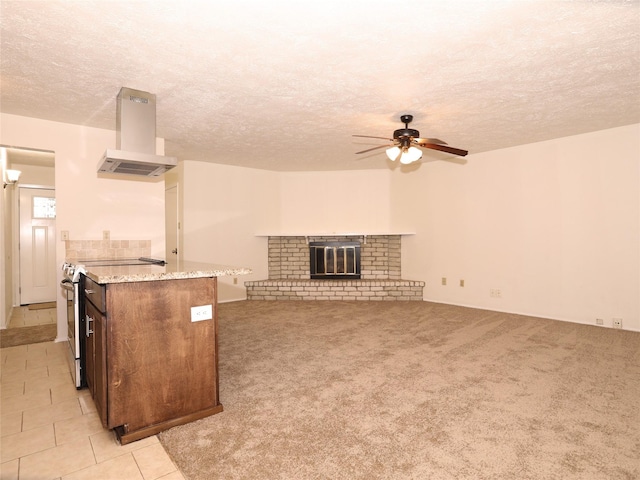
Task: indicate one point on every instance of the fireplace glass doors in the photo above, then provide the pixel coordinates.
(334, 260)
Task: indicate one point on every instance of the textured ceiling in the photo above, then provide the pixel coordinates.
(284, 85)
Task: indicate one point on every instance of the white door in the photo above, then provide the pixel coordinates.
(37, 245)
(172, 224)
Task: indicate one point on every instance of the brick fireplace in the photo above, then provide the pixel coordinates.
(290, 272)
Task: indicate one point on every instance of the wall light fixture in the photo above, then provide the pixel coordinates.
(11, 177)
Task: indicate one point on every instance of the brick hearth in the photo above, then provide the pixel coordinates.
(289, 272)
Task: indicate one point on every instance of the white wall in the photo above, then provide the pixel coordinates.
(35, 175)
(227, 211)
(87, 204)
(553, 225)
(224, 207)
(335, 202)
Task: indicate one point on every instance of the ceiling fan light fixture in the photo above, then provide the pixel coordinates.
(405, 138)
(409, 155)
(412, 154)
(393, 153)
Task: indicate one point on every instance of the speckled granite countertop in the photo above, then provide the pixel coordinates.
(170, 271)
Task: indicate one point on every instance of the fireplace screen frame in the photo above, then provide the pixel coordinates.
(335, 260)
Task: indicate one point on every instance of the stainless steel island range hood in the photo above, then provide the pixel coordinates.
(135, 152)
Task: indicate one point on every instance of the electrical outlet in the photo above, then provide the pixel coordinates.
(617, 323)
(495, 293)
(106, 234)
(599, 321)
(235, 280)
(64, 235)
(444, 280)
(204, 312)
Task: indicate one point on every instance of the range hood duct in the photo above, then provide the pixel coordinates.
(135, 152)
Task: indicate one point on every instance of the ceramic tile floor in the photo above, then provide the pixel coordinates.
(23, 317)
(50, 430)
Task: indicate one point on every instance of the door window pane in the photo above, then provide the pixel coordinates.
(44, 207)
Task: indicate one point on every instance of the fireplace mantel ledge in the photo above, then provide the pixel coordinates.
(330, 234)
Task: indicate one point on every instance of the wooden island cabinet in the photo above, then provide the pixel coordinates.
(152, 351)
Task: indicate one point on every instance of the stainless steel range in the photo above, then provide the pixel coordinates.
(70, 284)
(76, 323)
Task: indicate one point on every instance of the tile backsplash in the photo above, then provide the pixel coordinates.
(98, 249)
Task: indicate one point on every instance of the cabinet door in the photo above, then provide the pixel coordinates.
(96, 359)
(162, 363)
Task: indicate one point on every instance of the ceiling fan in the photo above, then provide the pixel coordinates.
(404, 143)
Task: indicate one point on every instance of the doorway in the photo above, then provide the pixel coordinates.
(173, 251)
(30, 319)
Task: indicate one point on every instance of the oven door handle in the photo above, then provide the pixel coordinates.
(66, 284)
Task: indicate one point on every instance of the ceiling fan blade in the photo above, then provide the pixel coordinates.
(443, 148)
(429, 140)
(375, 148)
(369, 136)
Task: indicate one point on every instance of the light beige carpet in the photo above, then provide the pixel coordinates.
(414, 390)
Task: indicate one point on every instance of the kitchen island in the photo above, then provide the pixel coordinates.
(151, 344)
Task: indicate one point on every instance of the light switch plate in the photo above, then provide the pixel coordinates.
(204, 312)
